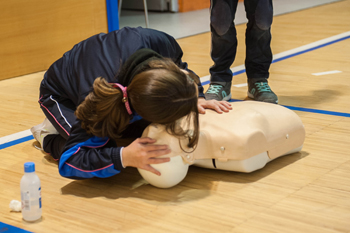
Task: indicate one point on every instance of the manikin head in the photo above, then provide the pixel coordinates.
(181, 156)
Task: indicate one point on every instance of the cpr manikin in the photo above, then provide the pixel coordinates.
(242, 140)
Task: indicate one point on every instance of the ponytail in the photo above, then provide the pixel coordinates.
(103, 111)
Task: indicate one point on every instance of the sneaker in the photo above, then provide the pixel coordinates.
(219, 92)
(259, 90)
(42, 130)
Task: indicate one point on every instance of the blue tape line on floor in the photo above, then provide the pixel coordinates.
(15, 142)
(5, 228)
(310, 49)
(332, 113)
(342, 114)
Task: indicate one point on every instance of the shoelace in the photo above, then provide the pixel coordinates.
(214, 89)
(263, 87)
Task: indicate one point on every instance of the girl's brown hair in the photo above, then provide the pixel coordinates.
(161, 94)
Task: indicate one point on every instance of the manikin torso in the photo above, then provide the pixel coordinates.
(243, 140)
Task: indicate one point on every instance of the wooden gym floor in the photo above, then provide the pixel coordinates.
(303, 192)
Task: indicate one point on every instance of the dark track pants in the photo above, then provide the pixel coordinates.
(224, 40)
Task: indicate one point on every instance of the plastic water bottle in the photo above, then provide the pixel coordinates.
(30, 194)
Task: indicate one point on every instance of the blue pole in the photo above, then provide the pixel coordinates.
(112, 15)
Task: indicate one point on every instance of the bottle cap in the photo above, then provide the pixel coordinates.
(29, 167)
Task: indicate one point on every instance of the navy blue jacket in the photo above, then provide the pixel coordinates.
(71, 77)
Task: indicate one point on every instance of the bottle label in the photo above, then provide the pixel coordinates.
(28, 201)
(40, 197)
(25, 196)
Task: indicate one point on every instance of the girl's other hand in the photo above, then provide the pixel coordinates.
(218, 106)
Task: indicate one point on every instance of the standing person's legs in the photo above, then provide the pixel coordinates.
(223, 48)
(258, 49)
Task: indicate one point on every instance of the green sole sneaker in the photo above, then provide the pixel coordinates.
(218, 92)
(261, 91)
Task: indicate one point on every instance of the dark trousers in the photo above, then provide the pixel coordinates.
(224, 38)
(60, 112)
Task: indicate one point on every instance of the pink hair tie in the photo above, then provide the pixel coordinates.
(125, 97)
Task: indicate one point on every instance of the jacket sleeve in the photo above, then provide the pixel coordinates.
(86, 156)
